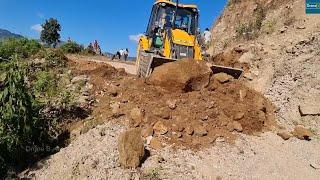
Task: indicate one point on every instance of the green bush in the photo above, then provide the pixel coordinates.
(71, 47)
(21, 128)
(45, 84)
(22, 47)
(55, 58)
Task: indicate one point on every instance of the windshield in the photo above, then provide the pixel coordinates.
(186, 19)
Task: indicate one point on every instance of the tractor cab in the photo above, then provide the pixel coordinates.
(177, 24)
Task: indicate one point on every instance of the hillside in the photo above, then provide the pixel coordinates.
(282, 53)
(7, 34)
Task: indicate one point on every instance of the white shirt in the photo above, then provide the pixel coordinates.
(207, 36)
(121, 51)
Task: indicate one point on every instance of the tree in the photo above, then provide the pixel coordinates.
(50, 33)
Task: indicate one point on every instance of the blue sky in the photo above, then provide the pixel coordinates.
(111, 22)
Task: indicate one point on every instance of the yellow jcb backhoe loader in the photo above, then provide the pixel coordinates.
(172, 34)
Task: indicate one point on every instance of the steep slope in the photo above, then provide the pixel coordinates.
(280, 44)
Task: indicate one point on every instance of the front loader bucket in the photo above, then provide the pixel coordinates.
(234, 72)
(148, 62)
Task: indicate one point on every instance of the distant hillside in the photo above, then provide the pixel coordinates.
(7, 34)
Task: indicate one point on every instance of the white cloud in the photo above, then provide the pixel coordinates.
(37, 27)
(135, 38)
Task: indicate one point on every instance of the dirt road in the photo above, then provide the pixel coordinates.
(129, 67)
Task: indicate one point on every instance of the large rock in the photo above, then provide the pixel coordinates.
(309, 109)
(302, 133)
(137, 116)
(160, 128)
(183, 75)
(131, 149)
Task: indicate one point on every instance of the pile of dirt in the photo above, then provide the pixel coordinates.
(194, 118)
(99, 73)
(182, 103)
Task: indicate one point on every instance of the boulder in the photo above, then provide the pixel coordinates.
(183, 75)
(172, 104)
(137, 116)
(235, 126)
(302, 133)
(189, 130)
(200, 131)
(238, 116)
(247, 57)
(147, 131)
(78, 79)
(222, 77)
(131, 149)
(284, 135)
(160, 128)
(156, 144)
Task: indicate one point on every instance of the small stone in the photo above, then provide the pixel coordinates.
(248, 76)
(156, 144)
(137, 116)
(172, 104)
(302, 133)
(284, 135)
(246, 58)
(243, 94)
(200, 131)
(283, 29)
(115, 109)
(238, 116)
(78, 79)
(235, 126)
(160, 128)
(177, 128)
(147, 131)
(148, 139)
(315, 165)
(113, 92)
(222, 77)
(131, 149)
(163, 113)
(218, 178)
(179, 135)
(189, 130)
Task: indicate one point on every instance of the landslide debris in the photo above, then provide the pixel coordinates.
(180, 110)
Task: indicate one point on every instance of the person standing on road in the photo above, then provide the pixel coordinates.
(126, 54)
(119, 54)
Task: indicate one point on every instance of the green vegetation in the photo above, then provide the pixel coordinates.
(51, 32)
(22, 130)
(23, 47)
(269, 26)
(71, 47)
(46, 84)
(30, 90)
(251, 30)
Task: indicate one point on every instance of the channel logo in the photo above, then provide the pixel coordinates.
(313, 6)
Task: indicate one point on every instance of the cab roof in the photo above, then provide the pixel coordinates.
(180, 5)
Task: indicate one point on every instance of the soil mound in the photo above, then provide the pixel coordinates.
(184, 75)
(195, 119)
(181, 104)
